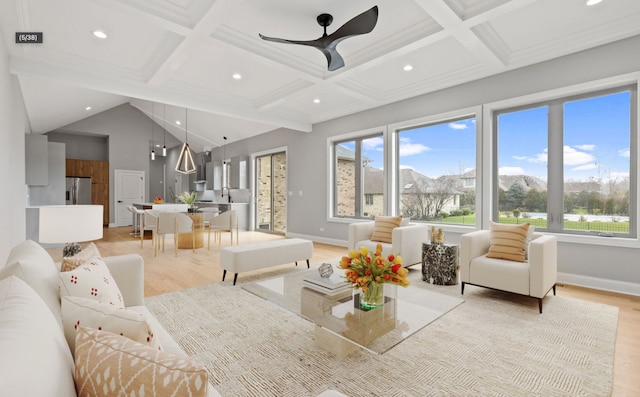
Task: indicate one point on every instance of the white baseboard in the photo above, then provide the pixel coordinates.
(339, 243)
(622, 287)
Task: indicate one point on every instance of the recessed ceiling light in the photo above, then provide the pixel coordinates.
(100, 34)
(237, 76)
(178, 122)
(87, 108)
(316, 100)
(593, 2)
(407, 68)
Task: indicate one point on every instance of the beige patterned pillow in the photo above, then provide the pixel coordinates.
(508, 241)
(71, 262)
(383, 228)
(112, 365)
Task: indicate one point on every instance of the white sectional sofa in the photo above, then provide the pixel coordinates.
(36, 359)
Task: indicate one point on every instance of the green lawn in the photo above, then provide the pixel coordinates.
(610, 227)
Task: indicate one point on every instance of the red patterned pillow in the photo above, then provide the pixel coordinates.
(92, 280)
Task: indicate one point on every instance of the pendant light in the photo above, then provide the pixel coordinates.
(185, 163)
(164, 132)
(153, 150)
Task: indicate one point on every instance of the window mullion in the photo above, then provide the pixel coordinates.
(555, 168)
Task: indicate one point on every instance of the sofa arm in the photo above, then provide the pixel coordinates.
(472, 245)
(358, 232)
(128, 272)
(407, 241)
(543, 265)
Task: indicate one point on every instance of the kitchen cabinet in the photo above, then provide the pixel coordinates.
(98, 171)
(214, 177)
(36, 160)
(238, 173)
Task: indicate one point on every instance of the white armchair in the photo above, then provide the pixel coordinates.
(535, 277)
(406, 240)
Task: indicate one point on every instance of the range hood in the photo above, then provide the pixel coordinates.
(202, 159)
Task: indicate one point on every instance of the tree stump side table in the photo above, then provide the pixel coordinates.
(440, 263)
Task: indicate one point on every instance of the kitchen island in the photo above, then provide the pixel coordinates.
(242, 210)
(170, 207)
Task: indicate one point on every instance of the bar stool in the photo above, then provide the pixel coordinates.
(137, 219)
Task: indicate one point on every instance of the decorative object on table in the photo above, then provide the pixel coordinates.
(369, 273)
(325, 270)
(440, 263)
(189, 198)
(70, 224)
(432, 235)
(158, 200)
(439, 239)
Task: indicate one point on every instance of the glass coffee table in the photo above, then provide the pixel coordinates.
(341, 326)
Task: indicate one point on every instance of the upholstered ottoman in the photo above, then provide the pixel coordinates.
(243, 258)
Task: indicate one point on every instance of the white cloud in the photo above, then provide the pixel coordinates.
(589, 148)
(624, 152)
(406, 167)
(468, 169)
(458, 126)
(408, 148)
(511, 171)
(520, 157)
(575, 157)
(585, 167)
(376, 143)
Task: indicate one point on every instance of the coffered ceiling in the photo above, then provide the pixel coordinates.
(179, 54)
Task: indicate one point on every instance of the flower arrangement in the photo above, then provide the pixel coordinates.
(369, 273)
(188, 198)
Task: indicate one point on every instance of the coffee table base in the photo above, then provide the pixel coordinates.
(332, 343)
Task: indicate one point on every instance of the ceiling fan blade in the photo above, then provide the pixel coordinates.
(312, 43)
(334, 59)
(361, 24)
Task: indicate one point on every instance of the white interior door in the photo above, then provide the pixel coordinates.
(129, 189)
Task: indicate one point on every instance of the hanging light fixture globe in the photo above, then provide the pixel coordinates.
(185, 164)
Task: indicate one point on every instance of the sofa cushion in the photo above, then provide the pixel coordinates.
(35, 358)
(33, 264)
(85, 312)
(86, 255)
(508, 241)
(108, 364)
(383, 228)
(92, 280)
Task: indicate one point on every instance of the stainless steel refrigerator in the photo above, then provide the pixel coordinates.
(78, 190)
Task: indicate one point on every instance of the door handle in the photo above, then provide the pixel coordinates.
(120, 201)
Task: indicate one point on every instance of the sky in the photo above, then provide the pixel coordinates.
(596, 142)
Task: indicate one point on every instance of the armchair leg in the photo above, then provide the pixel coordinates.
(540, 304)
(462, 288)
(554, 289)
(224, 274)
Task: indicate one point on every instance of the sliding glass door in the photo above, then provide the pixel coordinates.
(271, 192)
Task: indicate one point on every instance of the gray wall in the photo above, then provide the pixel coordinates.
(13, 126)
(82, 147)
(307, 214)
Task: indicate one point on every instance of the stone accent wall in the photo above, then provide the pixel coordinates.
(345, 177)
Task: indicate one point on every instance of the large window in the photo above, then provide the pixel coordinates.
(359, 177)
(566, 165)
(436, 171)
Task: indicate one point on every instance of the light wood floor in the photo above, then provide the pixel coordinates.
(166, 273)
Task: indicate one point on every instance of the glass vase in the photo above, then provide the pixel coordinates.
(373, 297)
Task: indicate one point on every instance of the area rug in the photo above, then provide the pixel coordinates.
(494, 344)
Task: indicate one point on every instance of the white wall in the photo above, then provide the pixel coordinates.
(612, 268)
(13, 126)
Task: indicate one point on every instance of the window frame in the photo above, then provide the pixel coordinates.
(557, 97)
(396, 129)
(331, 187)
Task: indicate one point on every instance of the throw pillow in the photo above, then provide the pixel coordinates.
(508, 241)
(85, 312)
(35, 358)
(71, 262)
(383, 228)
(33, 265)
(92, 280)
(532, 229)
(112, 365)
